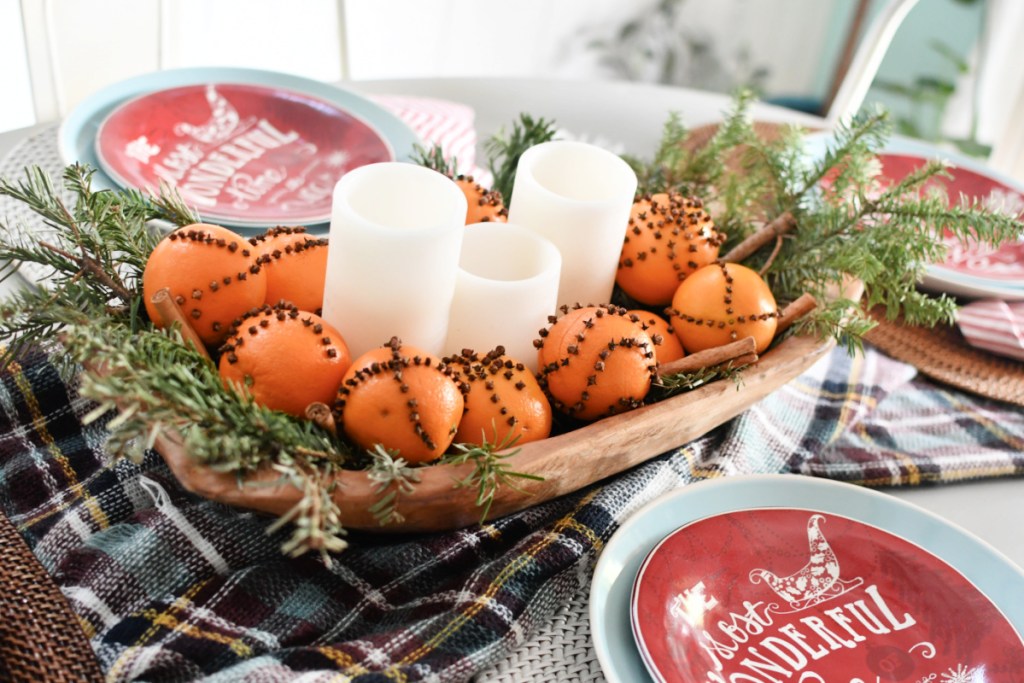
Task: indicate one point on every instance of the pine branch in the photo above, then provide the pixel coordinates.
(168, 385)
(434, 159)
(95, 252)
(503, 150)
(847, 222)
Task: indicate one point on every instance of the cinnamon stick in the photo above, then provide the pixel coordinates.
(711, 357)
(794, 311)
(171, 313)
(320, 414)
(779, 226)
(742, 361)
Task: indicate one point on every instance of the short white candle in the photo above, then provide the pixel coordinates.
(579, 197)
(506, 288)
(396, 232)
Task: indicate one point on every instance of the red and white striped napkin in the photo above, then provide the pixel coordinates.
(451, 125)
(995, 326)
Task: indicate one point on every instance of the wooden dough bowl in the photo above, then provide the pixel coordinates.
(567, 462)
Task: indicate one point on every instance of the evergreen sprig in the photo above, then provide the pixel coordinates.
(158, 385)
(433, 158)
(848, 223)
(504, 149)
(393, 477)
(94, 252)
(670, 385)
(490, 469)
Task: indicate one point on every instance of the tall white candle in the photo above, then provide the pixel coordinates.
(396, 232)
(506, 288)
(579, 197)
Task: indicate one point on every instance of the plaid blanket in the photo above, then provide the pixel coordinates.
(171, 587)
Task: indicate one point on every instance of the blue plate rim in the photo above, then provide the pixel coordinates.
(77, 131)
(609, 610)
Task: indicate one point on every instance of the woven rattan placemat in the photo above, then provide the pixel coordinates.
(40, 639)
(944, 355)
(40, 636)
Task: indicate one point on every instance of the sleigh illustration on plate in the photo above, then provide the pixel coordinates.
(817, 581)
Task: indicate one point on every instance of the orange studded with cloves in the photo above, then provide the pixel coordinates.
(403, 399)
(296, 266)
(667, 346)
(482, 205)
(504, 402)
(595, 361)
(669, 236)
(721, 303)
(284, 358)
(212, 275)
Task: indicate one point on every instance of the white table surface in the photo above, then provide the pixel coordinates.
(633, 115)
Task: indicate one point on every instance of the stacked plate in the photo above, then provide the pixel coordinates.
(245, 148)
(780, 578)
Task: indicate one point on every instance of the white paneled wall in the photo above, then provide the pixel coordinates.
(298, 36)
(397, 38)
(16, 108)
(76, 47)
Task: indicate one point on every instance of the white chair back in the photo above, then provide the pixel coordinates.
(868, 57)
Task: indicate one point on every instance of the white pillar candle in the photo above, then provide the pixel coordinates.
(507, 286)
(393, 256)
(579, 197)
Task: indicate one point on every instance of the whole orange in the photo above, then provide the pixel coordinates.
(285, 358)
(669, 237)
(594, 362)
(504, 401)
(721, 303)
(403, 399)
(666, 345)
(295, 264)
(212, 274)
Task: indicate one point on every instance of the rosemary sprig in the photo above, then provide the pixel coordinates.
(392, 478)
(503, 150)
(433, 158)
(158, 385)
(490, 469)
(680, 382)
(316, 518)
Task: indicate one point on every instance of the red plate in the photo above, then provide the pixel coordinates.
(787, 594)
(239, 153)
(1005, 263)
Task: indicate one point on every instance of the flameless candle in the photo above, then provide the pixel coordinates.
(579, 197)
(396, 232)
(506, 288)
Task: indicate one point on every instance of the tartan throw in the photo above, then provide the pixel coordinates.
(171, 587)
